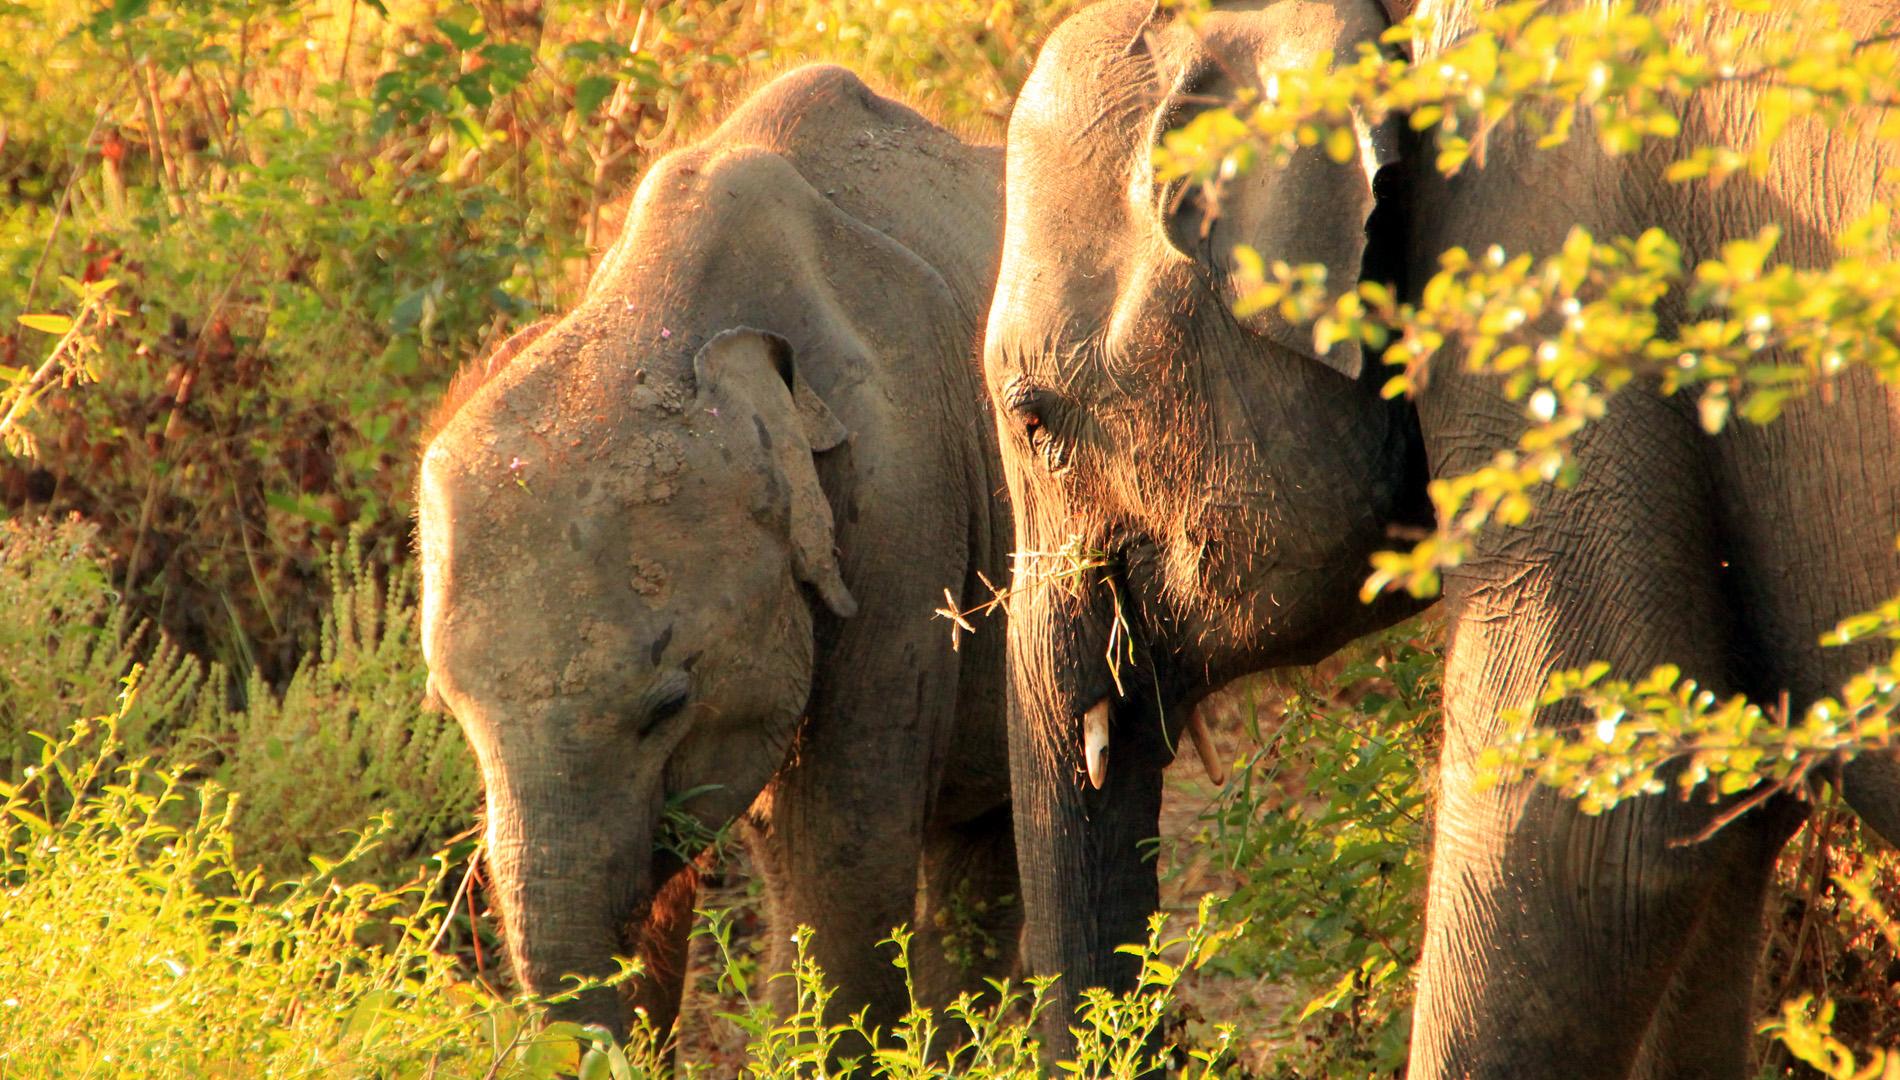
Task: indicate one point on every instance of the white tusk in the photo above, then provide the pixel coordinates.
(1204, 746)
(1095, 742)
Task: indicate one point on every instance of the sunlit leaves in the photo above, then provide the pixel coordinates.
(1563, 334)
(47, 324)
(1637, 730)
(73, 357)
(129, 917)
(1328, 819)
(1626, 74)
(1567, 331)
(1807, 1029)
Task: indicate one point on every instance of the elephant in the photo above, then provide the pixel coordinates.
(680, 550)
(1230, 480)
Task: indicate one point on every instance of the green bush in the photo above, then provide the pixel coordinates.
(1327, 821)
(344, 740)
(67, 643)
(347, 738)
(134, 939)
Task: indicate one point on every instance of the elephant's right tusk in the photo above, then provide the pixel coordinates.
(1095, 742)
(1204, 747)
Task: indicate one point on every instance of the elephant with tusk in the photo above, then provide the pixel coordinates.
(1235, 477)
(681, 548)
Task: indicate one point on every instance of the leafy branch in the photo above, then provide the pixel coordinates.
(1636, 729)
(73, 359)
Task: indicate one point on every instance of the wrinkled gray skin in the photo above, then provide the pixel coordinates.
(1238, 481)
(701, 522)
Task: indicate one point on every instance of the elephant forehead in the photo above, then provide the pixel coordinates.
(636, 467)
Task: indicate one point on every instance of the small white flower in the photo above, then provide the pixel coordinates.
(1606, 730)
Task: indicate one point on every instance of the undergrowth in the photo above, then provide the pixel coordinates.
(346, 739)
(135, 940)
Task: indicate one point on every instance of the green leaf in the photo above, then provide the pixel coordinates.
(596, 1066)
(462, 37)
(590, 92)
(55, 325)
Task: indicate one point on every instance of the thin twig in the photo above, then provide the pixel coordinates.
(66, 195)
(27, 393)
(448, 915)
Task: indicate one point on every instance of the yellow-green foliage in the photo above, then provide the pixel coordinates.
(134, 940)
(344, 740)
(347, 737)
(66, 643)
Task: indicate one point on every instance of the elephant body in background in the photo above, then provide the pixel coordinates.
(681, 548)
(1558, 943)
(1234, 480)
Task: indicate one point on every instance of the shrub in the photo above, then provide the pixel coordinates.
(1328, 821)
(134, 939)
(67, 643)
(346, 739)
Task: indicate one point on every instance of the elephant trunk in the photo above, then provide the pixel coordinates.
(1086, 814)
(564, 906)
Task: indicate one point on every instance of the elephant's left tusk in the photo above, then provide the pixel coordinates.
(1204, 747)
(1095, 742)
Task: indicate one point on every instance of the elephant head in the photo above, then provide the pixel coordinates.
(1196, 495)
(622, 564)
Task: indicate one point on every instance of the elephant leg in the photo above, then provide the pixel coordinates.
(840, 830)
(850, 875)
(662, 945)
(970, 914)
(1580, 946)
(1697, 1032)
(1558, 943)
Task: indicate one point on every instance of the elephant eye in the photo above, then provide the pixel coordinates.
(669, 704)
(1044, 415)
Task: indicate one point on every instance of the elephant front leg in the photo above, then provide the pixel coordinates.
(840, 832)
(1559, 944)
(1564, 945)
(662, 942)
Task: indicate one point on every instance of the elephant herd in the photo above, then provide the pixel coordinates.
(682, 545)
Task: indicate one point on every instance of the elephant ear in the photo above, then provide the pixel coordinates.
(1310, 208)
(756, 370)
